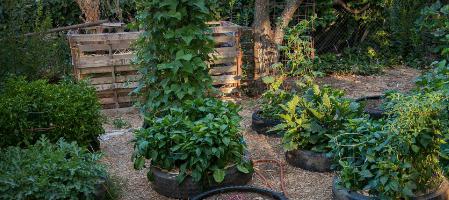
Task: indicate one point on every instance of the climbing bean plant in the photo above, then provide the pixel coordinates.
(173, 50)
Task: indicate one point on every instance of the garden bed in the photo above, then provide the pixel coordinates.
(118, 148)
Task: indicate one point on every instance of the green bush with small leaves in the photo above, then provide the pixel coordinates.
(200, 139)
(396, 157)
(29, 110)
(50, 171)
(312, 118)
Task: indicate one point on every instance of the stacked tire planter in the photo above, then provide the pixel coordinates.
(262, 125)
(165, 183)
(339, 193)
(309, 160)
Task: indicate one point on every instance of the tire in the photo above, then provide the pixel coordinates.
(373, 113)
(309, 160)
(165, 183)
(442, 193)
(94, 145)
(101, 189)
(274, 195)
(262, 125)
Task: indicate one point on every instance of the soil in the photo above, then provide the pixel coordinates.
(299, 184)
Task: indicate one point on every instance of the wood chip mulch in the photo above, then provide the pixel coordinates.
(300, 184)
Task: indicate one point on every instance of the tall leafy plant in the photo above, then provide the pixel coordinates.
(173, 50)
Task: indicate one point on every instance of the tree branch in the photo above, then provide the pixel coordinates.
(285, 18)
(347, 8)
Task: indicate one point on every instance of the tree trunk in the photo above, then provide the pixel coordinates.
(266, 38)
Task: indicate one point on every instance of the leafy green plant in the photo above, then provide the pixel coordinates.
(398, 157)
(200, 139)
(29, 110)
(311, 119)
(436, 79)
(434, 20)
(298, 49)
(173, 50)
(273, 97)
(120, 123)
(38, 56)
(50, 171)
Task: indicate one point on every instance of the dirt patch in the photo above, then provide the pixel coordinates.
(399, 78)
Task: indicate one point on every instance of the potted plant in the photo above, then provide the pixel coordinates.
(267, 116)
(194, 147)
(397, 157)
(309, 122)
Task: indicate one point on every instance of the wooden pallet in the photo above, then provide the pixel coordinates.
(106, 60)
(226, 67)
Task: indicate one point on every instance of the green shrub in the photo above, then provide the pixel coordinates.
(201, 139)
(433, 25)
(311, 119)
(397, 157)
(436, 79)
(49, 171)
(31, 109)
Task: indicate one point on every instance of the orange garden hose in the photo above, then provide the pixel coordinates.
(265, 180)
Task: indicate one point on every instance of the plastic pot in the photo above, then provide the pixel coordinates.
(440, 193)
(374, 111)
(262, 125)
(309, 160)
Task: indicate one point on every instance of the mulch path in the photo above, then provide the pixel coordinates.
(300, 184)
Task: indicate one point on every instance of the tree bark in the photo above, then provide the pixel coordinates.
(268, 38)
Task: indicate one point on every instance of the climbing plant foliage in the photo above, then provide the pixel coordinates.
(173, 50)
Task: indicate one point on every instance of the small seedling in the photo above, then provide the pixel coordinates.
(120, 123)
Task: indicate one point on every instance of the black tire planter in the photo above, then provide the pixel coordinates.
(101, 189)
(94, 145)
(165, 183)
(265, 192)
(262, 125)
(309, 160)
(375, 113)
(442, 193)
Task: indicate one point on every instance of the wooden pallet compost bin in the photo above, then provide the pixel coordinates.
(103, 55)
(226, 67)
(105, 58)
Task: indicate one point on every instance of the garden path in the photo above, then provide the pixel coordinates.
(300, 184)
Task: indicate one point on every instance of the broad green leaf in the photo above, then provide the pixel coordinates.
(219, 175)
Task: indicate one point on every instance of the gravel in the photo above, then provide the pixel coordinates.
(300, 184)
